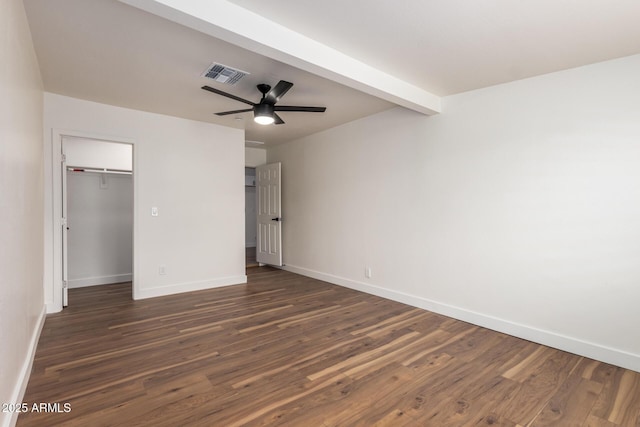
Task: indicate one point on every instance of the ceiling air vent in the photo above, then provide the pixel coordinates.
(223, 74)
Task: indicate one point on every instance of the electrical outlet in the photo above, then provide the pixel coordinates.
(367, 272)
(154, 211)
(162, 270)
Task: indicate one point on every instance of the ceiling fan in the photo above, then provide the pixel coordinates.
(264, 112)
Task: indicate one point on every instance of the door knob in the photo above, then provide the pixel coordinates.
(276, 219)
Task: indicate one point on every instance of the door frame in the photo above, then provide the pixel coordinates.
(254, 218)
(56, 191)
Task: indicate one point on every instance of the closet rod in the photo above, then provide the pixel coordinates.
(92, 170)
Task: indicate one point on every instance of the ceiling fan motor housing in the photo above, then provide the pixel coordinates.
(265, 112)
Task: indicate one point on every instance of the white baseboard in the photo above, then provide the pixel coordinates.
(100, 280)
(178, 288)
(52, 307)
(25, 372)
(552, 339)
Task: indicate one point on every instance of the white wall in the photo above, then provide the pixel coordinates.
(21, 187)
(191, 171)
(254, 156)
(517, 208)
(91, 153)
(100, 219)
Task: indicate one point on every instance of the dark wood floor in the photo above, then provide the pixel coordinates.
(292, 351)
(250, 257)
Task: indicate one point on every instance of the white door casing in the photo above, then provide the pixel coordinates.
(269, 215)
(65, 233)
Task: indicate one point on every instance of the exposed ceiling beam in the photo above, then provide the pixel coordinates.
(241, 27)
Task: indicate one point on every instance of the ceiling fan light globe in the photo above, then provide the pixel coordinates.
(263, 120)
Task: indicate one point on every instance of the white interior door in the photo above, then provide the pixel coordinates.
(269, 215)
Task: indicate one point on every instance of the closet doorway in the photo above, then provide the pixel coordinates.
(97, 191)
(250, 219)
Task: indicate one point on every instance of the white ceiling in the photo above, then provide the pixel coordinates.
(452, 46)
(109, 52)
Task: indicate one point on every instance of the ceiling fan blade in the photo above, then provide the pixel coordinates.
(226, 113)
(277, 92)
(228, 95)
(302, 109)
(278, 119)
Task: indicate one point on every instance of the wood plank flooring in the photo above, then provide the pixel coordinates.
(288, 350)
(250, 257)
